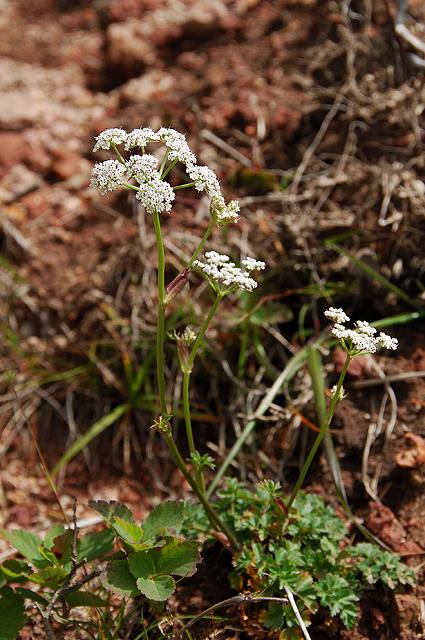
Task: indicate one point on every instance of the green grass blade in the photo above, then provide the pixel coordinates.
(95, 430)
(375, 275)
(318, 383)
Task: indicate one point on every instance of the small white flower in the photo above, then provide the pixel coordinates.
(108, 137)
(386, 342)
(205, 180)
(251, 264)
(337, 315)
(341, 393)
(362, 338)
(189, 335)
(365, 327)
(108, 175)
(224, 213)
(178, 149)
(143, 168)
(219, 268)
(156, 196)
(140, 138)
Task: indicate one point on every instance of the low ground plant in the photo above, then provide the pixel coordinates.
(290, 550)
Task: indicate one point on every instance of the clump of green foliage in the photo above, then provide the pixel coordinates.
(133, 560)
(306, 551)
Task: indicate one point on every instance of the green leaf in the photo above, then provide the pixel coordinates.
(28, 594)
(111, 510)
(15, 569)
(142, 564)
(12, 614)
(84, 599)
(27, 543)
(166, 516)
(52, 577)
(54, 532)
(157, 588)
(95, 545)
(129, 531)
(178, 558)
(119, 578)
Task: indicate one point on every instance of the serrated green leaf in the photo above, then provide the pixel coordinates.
(157, 588)
(52, 577)
(95, 545)
(110, 510)
(129, 531)
(27, 543)
(120, 579)
(142, 564)
(12, 614)
(54, 532)
(166, 516)
(178, 558)
(84, 599)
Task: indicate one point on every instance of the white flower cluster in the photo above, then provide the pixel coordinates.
(108, 137)
(143, 168)
(219, 268)
(140, 138)
(108, 176)
(189, 335)
(156, 196)
(361, 339)
(205, 180)
(178, 149)
(111, 174)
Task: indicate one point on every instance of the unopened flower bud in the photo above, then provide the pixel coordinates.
(176, 286)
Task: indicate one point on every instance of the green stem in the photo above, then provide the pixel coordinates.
(186, 411)
(170, 167)
(211, 514)
(160, 334)
(186, 385)
(323, 431)
(127, 185)
(201, 244)
(119, 156)
(160, 337)
(184, 186)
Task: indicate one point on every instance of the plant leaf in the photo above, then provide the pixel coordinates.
(157, 588)
(27, 543)
(15, 569)
(166, 516)
(129, 531)
(111, 510)
(120, 579)
(84, 599)
(94, 545)
(52, 577)
(178, 558)
(142, 564)
(54, 532)
(11, 614)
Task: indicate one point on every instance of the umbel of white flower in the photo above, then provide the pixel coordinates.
(141, 172)
(225, 274)
(362, 339)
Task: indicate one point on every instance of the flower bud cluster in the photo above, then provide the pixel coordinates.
(225, 274)
(361, 339)
(155, 194)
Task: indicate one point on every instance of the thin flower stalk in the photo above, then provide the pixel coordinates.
(319, 438)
